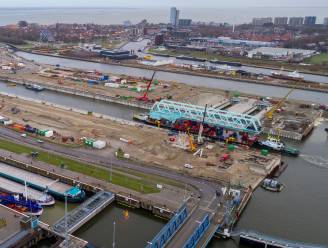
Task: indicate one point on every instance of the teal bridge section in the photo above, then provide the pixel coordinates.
(172, 111)
(168, 231)
(198, 233)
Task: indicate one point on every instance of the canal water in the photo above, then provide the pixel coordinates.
(250, 88)
(113, 109)
(299, 212)
(133, 230)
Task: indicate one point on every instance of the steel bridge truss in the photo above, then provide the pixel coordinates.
(198, 233)
(169, 229)
(172, 111)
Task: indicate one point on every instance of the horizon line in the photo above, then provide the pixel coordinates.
(143, 7)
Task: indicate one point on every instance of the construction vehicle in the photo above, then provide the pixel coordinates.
(145, 97)
(192, 147)
(274, 108)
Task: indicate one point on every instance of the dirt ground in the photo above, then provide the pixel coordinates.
(148, 145)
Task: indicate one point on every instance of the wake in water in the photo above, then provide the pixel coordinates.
(315, 160)
(319, 121)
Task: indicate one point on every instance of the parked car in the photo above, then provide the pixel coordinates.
(188, 166)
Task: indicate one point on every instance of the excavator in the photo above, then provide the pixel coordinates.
(145, 97)
(269, 114)
(192, 146)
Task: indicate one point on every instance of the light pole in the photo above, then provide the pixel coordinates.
(66, 231)
(114, 234)
(111, 171)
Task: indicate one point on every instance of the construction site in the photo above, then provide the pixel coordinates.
(289, 117)
(143, 143)
(222, 137)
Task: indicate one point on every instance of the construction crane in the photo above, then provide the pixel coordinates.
(269, 114)
(201, 128)
(49, 184)
(145, 97)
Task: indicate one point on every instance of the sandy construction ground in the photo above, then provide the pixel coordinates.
(149, 145)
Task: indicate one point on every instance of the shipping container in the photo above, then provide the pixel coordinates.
(99, 144)
(49, 133)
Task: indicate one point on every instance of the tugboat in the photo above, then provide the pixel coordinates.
(272, 185)
(273, 144)
(21, 204)
(34, 87)
(46, 200)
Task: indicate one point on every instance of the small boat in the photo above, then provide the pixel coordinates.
(11, 84)
(34, 87)
(272, 143)
(141, 117)
(295, 76)
(21, 204)
(272, 185)
(46, 200)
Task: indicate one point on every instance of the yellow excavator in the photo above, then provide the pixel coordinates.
(192, 146)
(270, 112)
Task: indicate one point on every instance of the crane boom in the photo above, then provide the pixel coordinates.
(201, 127)
(144, 97)
(269, 114)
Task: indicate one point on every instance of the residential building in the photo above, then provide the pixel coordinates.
(296, 21)
(174, 16)
(159, 39)
(184, 22)
(325, 21)
(281, 21)
(310, 20)
(261, 21)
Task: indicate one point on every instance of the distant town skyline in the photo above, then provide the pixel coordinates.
(177, 3)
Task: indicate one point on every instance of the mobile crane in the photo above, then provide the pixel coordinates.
(145, 95)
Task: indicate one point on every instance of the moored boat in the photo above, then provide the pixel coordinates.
(46, 200)
(295, 76)
(272, 144)
(272, 185)
(34, 87)
(19, 203)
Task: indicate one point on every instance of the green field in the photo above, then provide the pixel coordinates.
(320, 59)
(138, 182)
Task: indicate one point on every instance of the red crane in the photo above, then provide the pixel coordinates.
(145, 97)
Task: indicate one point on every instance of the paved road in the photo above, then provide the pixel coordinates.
(206, 191)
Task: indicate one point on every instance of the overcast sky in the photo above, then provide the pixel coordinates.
(155, 3)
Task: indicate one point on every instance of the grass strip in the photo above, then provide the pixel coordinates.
(86, 169)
